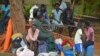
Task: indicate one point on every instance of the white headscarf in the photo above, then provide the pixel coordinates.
(31, 12)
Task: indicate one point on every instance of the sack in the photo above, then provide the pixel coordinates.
(24, 51)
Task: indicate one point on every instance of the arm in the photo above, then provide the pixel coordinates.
(91, 35)
(36, 34)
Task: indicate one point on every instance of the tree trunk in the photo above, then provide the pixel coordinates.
(17, 16)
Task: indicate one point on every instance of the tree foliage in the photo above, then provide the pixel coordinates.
(92, 7)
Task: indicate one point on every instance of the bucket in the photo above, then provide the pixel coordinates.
(90, 51)
(69, 52)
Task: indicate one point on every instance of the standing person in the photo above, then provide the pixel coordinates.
(78, 41)
(68, 20)
(5, 10)
(89, 32)
(63, 5)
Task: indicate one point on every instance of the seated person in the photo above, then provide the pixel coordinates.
(57, 15)
(44, 15)
(57, 20)
(32, 37)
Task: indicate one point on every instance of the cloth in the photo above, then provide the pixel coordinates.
(32, 10)
(88, 34)
(58, 41)
(24, 51)
(77, 38)
(3, 23)
(49, 54)
(63, 6)
(4, 9)
(16, 35)
(79, 47)
(57, 17)
(42, 47)
(43, 54)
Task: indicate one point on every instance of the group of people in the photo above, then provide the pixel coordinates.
(84, 37)
(40, 25)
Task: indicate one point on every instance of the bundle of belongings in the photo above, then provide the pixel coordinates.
(19, 46)
(64, 46)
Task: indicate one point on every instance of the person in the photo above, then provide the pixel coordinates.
(57, 20)
(78, 40)
(57, 15)
(5, 10)
(68, 20)
(63, 5)
(32, 37)
(44, 35)
(43, 13)
(89, 32)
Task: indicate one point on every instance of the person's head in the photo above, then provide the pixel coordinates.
(57, 6)
(87, 24)
(79, 25)
(43, 8)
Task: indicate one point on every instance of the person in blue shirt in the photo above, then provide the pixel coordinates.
(5, 10)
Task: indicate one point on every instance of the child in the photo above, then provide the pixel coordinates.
(89, 32)
(78, 40)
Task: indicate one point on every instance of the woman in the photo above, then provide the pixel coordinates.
(89, 32)
(32, 37)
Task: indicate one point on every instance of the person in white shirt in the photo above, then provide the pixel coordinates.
(78, 40)
(57, 15)
(63, 5)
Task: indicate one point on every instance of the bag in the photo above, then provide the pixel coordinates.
(24, 51)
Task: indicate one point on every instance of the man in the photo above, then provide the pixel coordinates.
(57, 15)
(57, 20)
